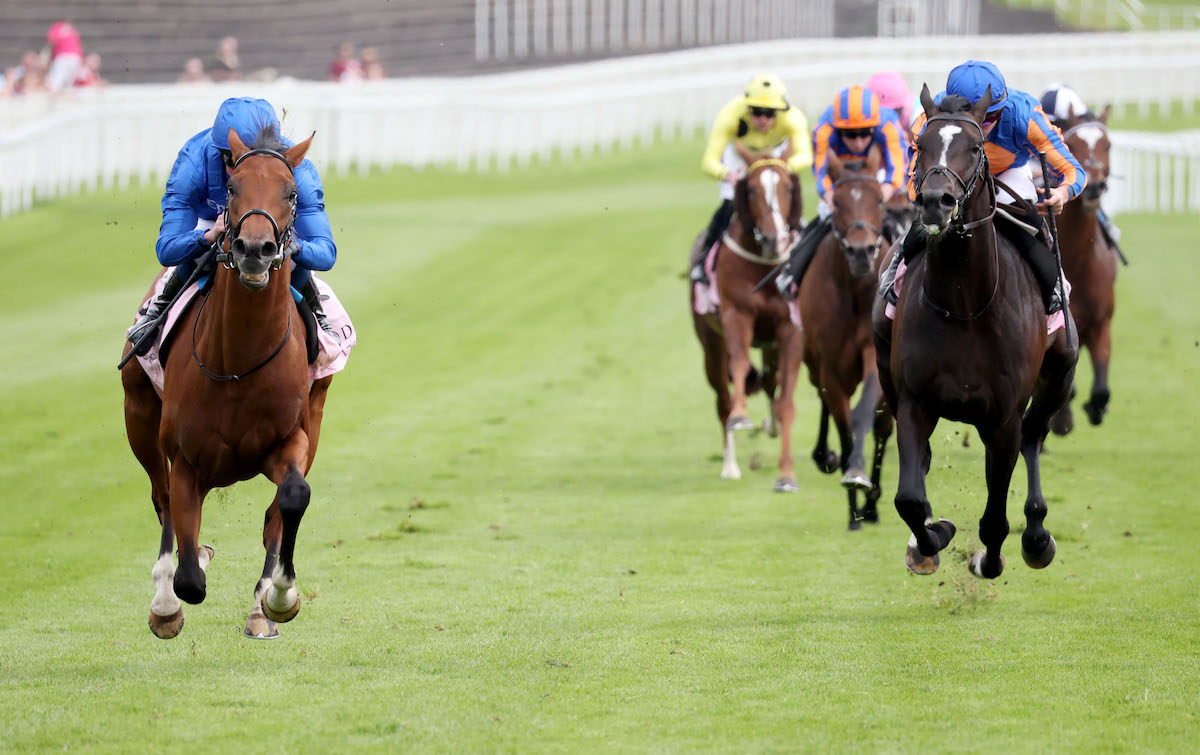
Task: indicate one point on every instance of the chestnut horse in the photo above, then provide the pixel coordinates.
(236, 398)
(969, 343)
(766, 205)
(835, 307)
(1089, 263)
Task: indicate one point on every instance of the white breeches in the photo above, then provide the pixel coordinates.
(1021, 181)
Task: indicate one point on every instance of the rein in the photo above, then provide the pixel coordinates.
(840, 235)
(282, 241)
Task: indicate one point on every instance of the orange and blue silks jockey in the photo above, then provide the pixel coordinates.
(1015, 130)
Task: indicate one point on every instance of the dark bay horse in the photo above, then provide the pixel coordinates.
(236, 398)
(1089, 263)
(835, 308)
(758, 239)
(969, 343)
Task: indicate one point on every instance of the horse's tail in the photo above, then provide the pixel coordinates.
(754, 381)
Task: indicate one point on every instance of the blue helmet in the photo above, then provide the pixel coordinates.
(245, 115)
(972, 79)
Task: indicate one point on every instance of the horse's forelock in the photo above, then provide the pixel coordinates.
(952, 103)
(268, 137)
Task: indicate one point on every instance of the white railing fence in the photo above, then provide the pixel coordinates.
(1154, 172)
(518, 29)
(909, 18)
(55, 148)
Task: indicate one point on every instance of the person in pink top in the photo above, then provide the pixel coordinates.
(893, 93)
(66, 56)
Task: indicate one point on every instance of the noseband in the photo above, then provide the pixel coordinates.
(282, 239)
(840, 235)
(956, 222)
(758, 236)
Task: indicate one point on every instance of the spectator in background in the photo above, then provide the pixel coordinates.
(28, 77)
(66, 56)
(225, 65)
(345, 67)
(193, 73)
(89, 74)
(372, 69)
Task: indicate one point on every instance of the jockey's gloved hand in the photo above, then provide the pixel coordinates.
(293, 248)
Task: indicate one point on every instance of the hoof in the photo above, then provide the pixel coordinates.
(856, 479)
(855, 524)
(770, 428)
(281, 617)
(869, 513)
(1095, 412)
(731, 474)
(739, 422)
(975, 564)
(1043, 559)
(1063, 422)
(166, 627)
(259, 627)
(786, 485)
(826, 461)
(917, 563)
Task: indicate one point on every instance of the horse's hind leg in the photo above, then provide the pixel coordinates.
(881, 432)
(280, 601)
(861, 420)
(914, 426)
(769, 380)
(791, 356)
(1001, 445)
(826, 460)
(1100, 348)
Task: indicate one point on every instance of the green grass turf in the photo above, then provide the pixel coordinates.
(518, 539)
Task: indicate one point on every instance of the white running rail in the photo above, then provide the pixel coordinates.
(53, 148)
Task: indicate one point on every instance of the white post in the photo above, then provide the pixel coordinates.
(481, 29)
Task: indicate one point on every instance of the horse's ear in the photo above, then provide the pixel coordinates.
(874, 159)
(834, 166)
(1107, 112)
(1071, 111)
(295, 155)
(236, 147)
(927, 101)
(979, 112)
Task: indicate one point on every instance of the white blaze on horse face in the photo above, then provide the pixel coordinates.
(856, 194)
(770, 181)
(1090, 135)
(947, 133)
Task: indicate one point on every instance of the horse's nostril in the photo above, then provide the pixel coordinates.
(268, 250)
(947, 201)
(238, 246)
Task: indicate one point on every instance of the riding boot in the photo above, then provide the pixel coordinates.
(806, 249)
(914, 244)
(716, 226)
(149, 316)
(1035, 251)
(313, 298)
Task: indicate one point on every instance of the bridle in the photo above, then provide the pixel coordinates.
(840, 235)
(1091, 162)
(226, 258)
(737, 248)
(232, 232)
(980, 172)
(957, 224)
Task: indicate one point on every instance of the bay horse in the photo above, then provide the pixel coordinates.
(236, 398)
(835, 300)
(1089, 263)
(766, 206)
(969, 343)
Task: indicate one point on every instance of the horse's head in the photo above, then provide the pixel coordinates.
(1087, 138)
(763, 202)
(951, 166)
(857, 202)
(262, 196)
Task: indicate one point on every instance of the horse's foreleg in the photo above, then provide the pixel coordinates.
(258, 626)
(186, 502)
(861, 420)
(280, 601)
(1100, 349)
(913, 428)
(716, 369)
(739, 332)
(770, 386)
(825, 459)
(881, 432)
(1001, 445)
(791, 356)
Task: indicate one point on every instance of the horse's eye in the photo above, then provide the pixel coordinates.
(231, 188)
(975, 148)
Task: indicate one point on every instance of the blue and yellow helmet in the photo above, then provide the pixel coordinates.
(856, 107)
(972, 79)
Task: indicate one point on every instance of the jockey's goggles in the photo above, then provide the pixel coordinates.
(857, 133)
(992, 117)
(763, 112)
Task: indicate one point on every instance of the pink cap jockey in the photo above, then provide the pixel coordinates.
(893, 93)
(63, 38)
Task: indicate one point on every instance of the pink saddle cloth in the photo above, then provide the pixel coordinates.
(706, 300)
(1053, 322)
(331, 357)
